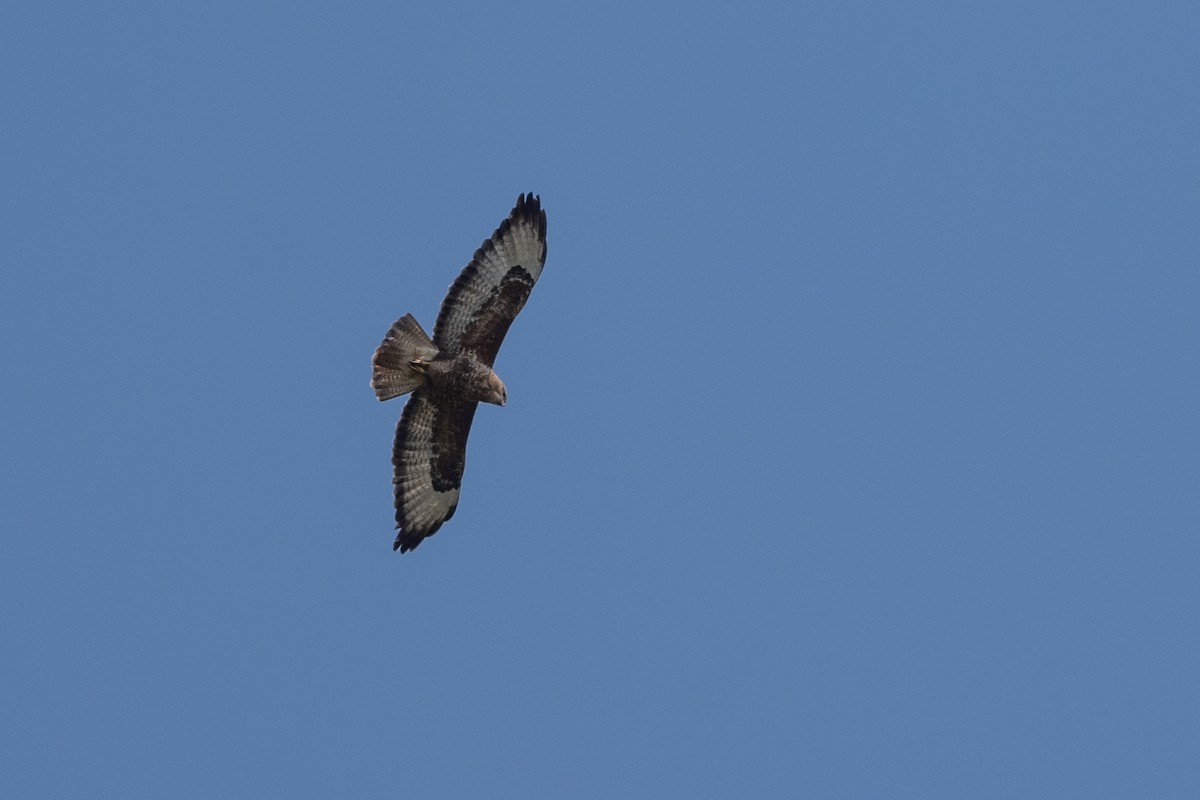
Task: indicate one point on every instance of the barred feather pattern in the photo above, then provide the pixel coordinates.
(515, 252)
(428, 460)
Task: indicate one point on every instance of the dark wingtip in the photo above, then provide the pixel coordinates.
(407, 540)
(529, 206)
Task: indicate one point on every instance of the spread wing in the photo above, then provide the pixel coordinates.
(492, 289)
(428, 456)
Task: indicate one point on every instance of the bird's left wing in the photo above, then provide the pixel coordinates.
(492, 289)
(428, 458)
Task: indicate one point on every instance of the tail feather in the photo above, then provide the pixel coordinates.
(393, 372)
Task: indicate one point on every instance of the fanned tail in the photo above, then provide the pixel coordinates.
(399, 363)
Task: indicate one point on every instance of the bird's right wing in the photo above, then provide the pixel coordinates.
(428, 457)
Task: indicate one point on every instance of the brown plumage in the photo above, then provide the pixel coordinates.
(452, 373)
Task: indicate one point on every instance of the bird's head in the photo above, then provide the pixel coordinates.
(495, 392)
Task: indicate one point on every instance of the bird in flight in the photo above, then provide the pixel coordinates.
(450, 374)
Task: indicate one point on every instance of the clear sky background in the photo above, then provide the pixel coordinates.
(851, 447)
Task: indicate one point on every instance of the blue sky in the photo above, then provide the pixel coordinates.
(851, 447)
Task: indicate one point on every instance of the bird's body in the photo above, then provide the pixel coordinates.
(450, 374)
(465, 376)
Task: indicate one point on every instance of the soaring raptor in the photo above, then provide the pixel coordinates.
(452, 373)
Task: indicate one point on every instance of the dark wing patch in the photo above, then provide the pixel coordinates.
(428, 458)
(490, 291)
(486, 330)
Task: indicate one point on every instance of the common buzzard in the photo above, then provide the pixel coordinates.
(452, 373)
